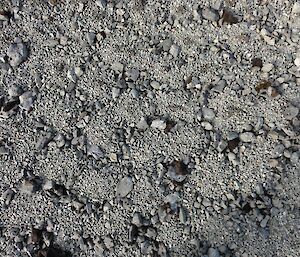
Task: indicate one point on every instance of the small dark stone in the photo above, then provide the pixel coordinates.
(133, 233)
(180, 167)
(36, 235)
(232, 144)
(257, 62)
(169, 125)
(6, 14)
(246, 208)
(1, 101)
(103, 34)
(229, 17)
(60, 190)
(263, 85)
(52, 252)
(10, 105)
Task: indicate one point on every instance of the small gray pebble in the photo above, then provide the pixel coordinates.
(278, 151)
(291, 112)
(124, 186)
(14, 91)
(232, 135)
(208, 114)
(142, 124)
(116, 92)
(48, 184)
(206, 125)
(206, 202)
(109, 243)
(296, 7)
(212, 252)
(267, 67)
(26, 100)
(247, 137)
(90, 36)
(222, 145)
(94, 151)
(101, 3)
(133, 74)
(117, 67)
(17, 53)
(71, 75)
(155, 85)
(159, 124)
(137, 219)
(174, 50)
(166, 44)
(210, 14)
(182, 215)
(28, 187)
(134, 93)
(264, 222)
(4, 150)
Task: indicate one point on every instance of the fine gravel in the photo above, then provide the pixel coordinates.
(149, 128)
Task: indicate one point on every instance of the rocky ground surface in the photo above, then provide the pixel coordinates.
(149, 128)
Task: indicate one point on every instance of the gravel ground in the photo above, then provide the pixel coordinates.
(149, 128)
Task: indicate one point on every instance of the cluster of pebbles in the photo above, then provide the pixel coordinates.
(149, 128)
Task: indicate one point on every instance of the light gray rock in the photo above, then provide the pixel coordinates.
(14, 91)
(17, 53)
(232, 135)
(206, 125)
(116, 92)
(142, 124)
(48, 184)
(71, 75)
(90, 37)
(296, 7)
(166, 44)
(210, 14)
(101, 3)
(222, 145)
(159, 124)
(109, 243)
(133, 74)
(208, 114)
(291, 112)
(247, 137)
(137, 219)
(124, 186)
(174, 50)
(94, 151)
(155, 85)
(267, 67)
(26, 100)
(28, 187)
(117, 67)
(212, 252)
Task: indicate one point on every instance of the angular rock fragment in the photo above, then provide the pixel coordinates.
(210, 14)
(229, 17)
(177, 171)
(17, 53)
(94, 151)
(124, 186)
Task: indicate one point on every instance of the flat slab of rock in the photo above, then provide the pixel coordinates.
(124, 186)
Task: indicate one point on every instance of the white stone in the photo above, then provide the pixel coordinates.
(267, 67)
(159, 124)
(296, 7)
